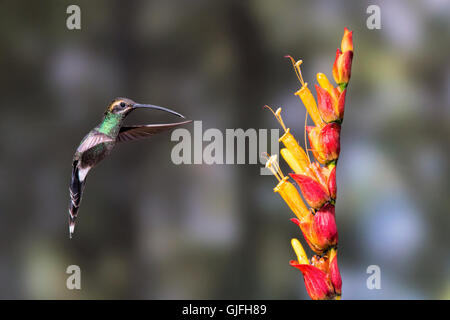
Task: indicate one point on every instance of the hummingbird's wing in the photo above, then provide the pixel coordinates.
(131, 133)
(93, 139)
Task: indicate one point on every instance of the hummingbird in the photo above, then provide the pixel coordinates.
(100, 141)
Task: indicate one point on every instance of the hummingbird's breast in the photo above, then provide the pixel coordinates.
(94, 148)
(94, 155)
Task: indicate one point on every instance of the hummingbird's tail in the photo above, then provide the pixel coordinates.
(76, 191)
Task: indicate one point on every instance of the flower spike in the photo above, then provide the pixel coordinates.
(316, 179)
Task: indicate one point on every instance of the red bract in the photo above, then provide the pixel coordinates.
(316, 281)
(320, 229)
(313, 192)
(325, 142)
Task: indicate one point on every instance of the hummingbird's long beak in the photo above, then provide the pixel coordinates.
(150, 106)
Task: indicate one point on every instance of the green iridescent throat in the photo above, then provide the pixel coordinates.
(111, 124)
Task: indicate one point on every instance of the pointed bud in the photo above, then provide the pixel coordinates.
(313, 192)
(316, 281)
(347, 41)
(343, 63)
(342, 67)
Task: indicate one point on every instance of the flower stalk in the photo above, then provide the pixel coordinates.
(316, 179)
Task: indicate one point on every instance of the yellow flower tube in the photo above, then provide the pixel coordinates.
(292, 161)
(287, 190)
(293, 199)
(299, 251)
(305, 94)
(310, 103)
(297, 154)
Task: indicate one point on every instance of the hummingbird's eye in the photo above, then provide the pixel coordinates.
(122, 104)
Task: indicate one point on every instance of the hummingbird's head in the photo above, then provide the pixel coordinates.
(124, 106)
(121, 106)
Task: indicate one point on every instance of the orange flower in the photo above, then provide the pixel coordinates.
(343, 63)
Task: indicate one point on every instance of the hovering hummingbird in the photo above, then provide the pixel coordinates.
(100, 141)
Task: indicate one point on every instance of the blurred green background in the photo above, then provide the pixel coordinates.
(149, 229)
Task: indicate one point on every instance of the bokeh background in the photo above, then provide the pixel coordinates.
(149, 229)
